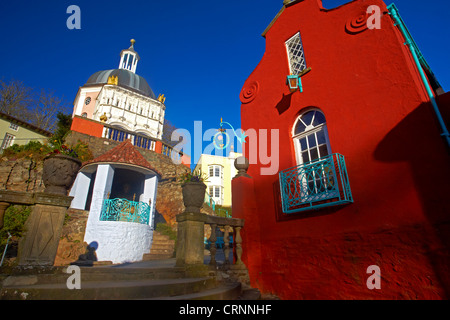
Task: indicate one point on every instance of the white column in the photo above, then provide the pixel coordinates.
(150, 191)
(80, 190)
(102, 186)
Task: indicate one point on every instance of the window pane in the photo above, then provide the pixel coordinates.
(217, 172)
(299, 128)
(211, 171)
(323, 150)
(305, 156)
(319, 118)
(307, 117)
(217, 194)
(211, 191)
(314, 154)
(303, 144)
(321, 137)
(312, 140)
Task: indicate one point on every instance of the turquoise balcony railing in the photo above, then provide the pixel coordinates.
(210, 201)
(125, 210)
(319, 183)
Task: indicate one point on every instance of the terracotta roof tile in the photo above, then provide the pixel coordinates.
(124, 153)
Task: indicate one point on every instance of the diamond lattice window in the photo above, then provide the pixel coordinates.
(294, 47)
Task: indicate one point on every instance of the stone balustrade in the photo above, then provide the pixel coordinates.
(190, 244)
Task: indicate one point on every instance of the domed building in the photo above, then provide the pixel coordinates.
(122, 100)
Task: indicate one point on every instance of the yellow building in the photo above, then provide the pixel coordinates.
(220, 171)
(16, 131)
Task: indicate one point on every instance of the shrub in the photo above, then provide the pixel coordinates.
(14, 223)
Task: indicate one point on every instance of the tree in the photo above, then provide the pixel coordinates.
(37, 108)
(15, 99)
(168, 129)
(62, 127)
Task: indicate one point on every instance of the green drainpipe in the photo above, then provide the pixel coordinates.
(393, 11)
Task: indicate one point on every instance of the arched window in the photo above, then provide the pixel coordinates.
(311, 137)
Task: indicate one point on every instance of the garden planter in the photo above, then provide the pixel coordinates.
(193, 196)
(59, 173)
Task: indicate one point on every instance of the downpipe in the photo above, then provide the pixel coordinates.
(6, 248)
(393, 11)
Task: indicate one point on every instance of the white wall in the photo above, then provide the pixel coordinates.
(118, 241)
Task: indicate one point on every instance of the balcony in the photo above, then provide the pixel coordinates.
(125, 211)
(316, 184)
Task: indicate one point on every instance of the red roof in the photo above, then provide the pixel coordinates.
(124, 153)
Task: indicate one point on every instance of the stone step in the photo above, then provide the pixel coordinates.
(161, 251)
(231, 291)
(59, 276)
(162, 248)
(163, 244)
(109, 290)
(156, 256)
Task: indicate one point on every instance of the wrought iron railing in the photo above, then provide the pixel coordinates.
(125, 210)
(320, 183)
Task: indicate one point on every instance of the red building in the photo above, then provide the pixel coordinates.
(362, 175)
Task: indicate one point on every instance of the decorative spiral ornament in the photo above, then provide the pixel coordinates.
(249, 92)
(358, 24)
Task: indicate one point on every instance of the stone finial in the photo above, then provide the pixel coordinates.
(241, 164)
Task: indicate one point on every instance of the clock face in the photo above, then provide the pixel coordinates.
(87, 101)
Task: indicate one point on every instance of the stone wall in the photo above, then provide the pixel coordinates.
(71, 244)
(21, 175)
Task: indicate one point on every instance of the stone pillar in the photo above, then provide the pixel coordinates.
(39, 245)
(190, 246)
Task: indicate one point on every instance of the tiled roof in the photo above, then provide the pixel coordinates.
(124, 153)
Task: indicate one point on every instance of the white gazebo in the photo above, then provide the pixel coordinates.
(119, 189)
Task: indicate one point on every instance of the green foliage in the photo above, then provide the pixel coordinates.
(196, 176)
(223, 211)
(165, 229)
(62, 128)
(33, 149)
(83, 151)
(14, 223)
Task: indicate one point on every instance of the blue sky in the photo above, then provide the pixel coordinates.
(197, 53)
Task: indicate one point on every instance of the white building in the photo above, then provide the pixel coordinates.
(122, 99)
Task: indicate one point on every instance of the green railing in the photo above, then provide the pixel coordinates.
(125, 210)
(319, 183)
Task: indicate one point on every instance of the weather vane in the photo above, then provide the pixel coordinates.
(222, 139)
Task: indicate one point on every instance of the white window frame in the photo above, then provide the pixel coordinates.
(14, 126)
(8, 141)
(214, 168)
(309, 130)
(293, 56)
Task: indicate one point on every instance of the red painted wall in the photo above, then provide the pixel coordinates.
(86, 126)
(378, 117)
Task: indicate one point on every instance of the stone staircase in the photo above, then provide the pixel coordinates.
(162, 248)
(119, 283)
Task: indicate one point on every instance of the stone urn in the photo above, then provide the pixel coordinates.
(193, 196)
(59, 173)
